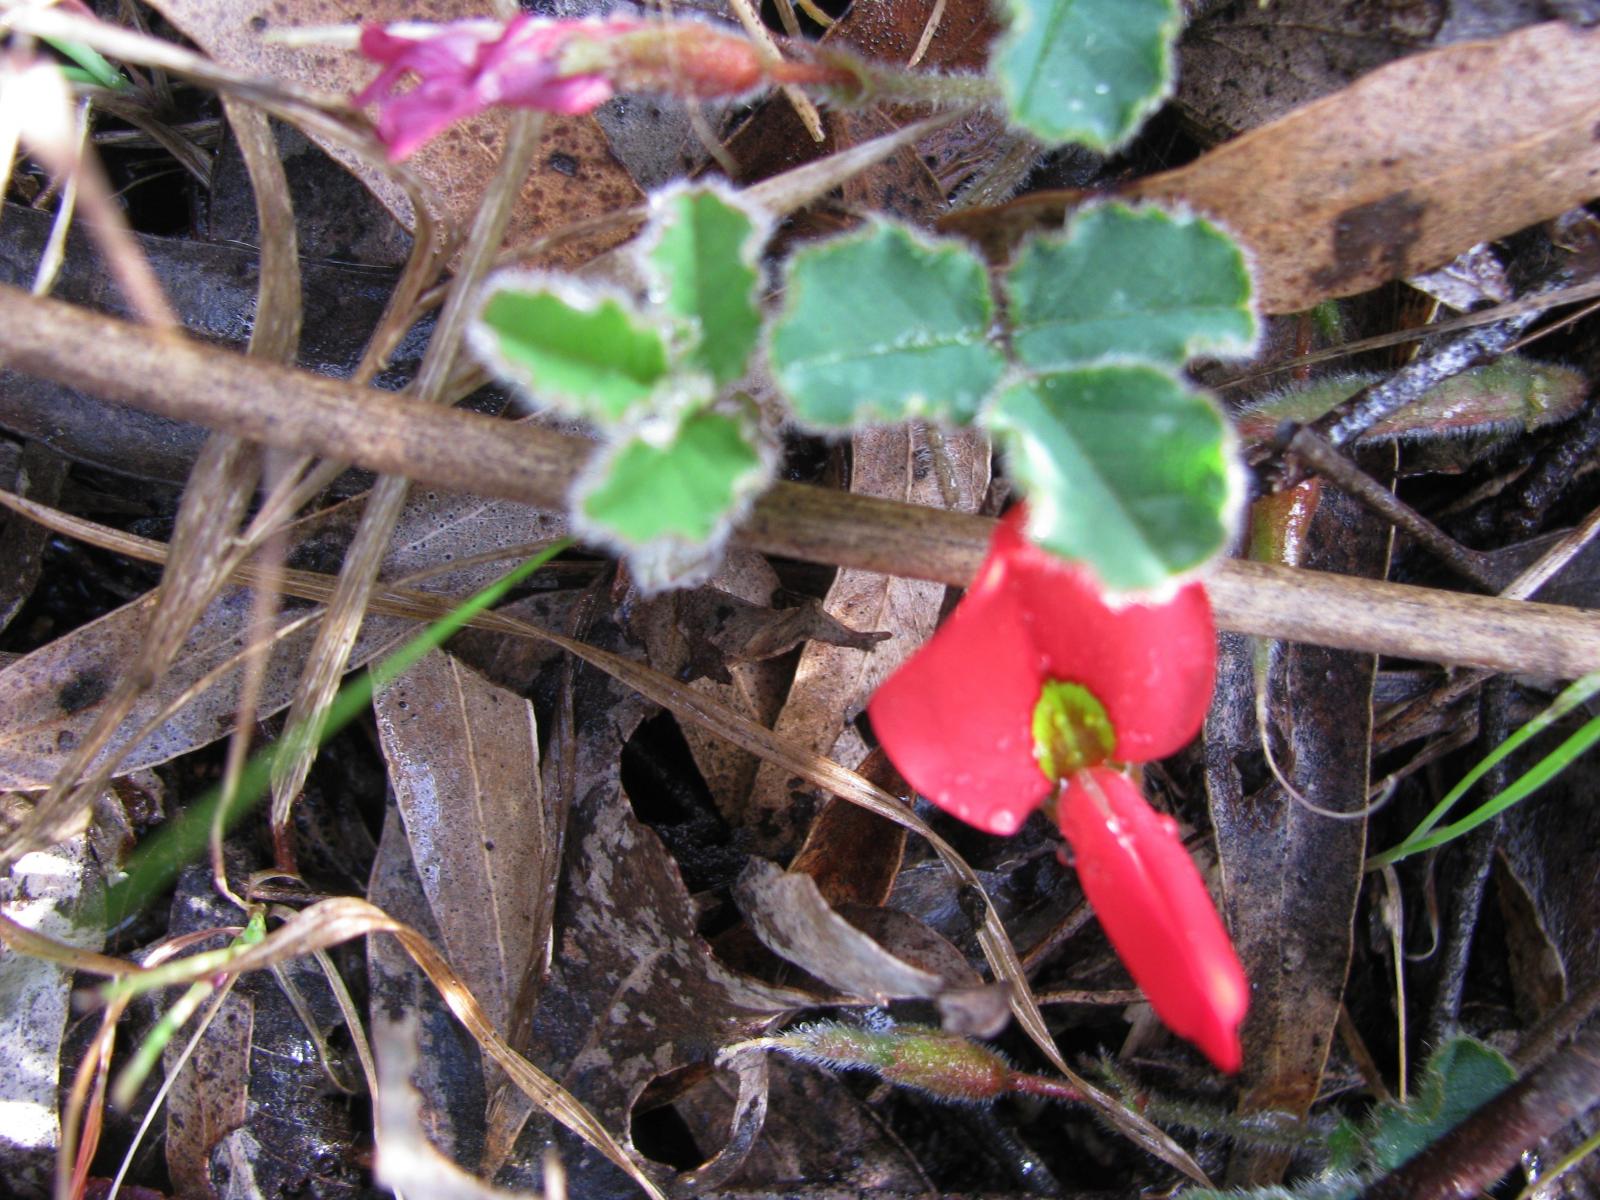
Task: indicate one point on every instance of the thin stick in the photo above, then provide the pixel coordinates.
(468, 452)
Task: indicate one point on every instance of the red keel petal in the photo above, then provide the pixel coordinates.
(1155, 909)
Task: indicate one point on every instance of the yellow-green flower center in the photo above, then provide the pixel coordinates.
(1070, 729)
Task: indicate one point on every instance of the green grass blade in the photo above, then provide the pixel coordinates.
(1424, 836)
(95, 66)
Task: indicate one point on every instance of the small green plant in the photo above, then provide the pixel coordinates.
(1460, 1076)
(1072, 362)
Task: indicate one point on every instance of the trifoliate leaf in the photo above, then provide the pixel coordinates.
(1123, 467)
(885, 325)
(1130, 283)
(703, 255)
(667, 493)
(586, 351)
(1086, 71)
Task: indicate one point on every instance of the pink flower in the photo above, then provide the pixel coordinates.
(1156, 911)
(958, 718)
(1031, 684)
(468, 66)
(558, 66)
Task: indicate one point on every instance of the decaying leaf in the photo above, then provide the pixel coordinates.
(754, 689)
(298, 1132)
(816, 1128)
(450, 1075)
(634, 993)
(1245, 63)
(855, 855)
(792, 919)
(865, 950)
(1390, 177)
(210, 1097)
(1545, 842)
(41, 892)
(722, 630)
(406, 1161)
(40, 474)
(463, 759)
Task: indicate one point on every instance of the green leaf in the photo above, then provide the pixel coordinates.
(1124, 468)
(1510, 395)
(667, 494)
(885, 325)
(1086, 71)
(703, 257)
(585, 351)
(1130, 283)
(1460, 1076)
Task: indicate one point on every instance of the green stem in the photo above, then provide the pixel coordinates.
(1043, 1085)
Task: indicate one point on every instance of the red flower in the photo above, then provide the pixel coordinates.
(1034, 680)
(957, 719)
(1156, 911)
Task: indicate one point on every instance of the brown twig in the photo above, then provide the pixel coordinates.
(472, 453)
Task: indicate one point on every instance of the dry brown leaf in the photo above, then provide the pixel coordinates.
(1391, 177)
(463, 759)
(50, 698)
(451, 1075)
(854, 855)
(792, 920)
(832, 683)
(575, 177)
(210, 1097)
(755, 689)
